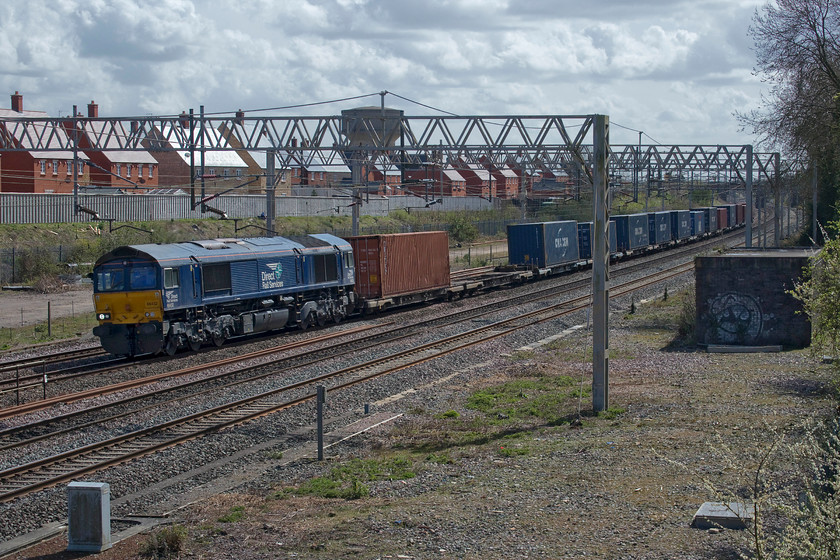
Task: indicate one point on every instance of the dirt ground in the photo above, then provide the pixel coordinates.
(20, 308)
(688, 427)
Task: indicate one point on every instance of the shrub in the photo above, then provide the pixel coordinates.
(165, 543)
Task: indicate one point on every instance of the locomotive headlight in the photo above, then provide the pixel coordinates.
(103, 316)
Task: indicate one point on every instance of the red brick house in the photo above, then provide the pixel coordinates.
(422, 182)
(120, 169)
(31, 171)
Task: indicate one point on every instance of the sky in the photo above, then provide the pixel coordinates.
(677, 70)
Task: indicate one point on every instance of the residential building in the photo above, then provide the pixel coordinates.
(223, 170)
(32, 171)
(128, 170)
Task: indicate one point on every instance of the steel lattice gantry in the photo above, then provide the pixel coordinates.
(392, 139)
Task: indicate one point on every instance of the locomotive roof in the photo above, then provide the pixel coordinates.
(220, 250)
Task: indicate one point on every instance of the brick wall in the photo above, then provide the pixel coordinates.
(742, 299)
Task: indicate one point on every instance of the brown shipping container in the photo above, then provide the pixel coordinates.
(400, 263)
(741, 213)
(723, 218)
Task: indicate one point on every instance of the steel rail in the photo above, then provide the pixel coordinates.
(28, 478)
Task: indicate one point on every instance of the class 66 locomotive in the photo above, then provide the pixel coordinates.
(165, 297)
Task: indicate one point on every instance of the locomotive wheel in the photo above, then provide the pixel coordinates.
(304, 323)
(171, 346)
(336, 317)
(218, 339)
(321, 319)
(194, 344)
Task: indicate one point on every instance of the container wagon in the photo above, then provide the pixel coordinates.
(730, 215)
(722, 216)
(400, 268)
(741, 213)
(697, 223)
(585, 239)
(659, 228)
(543, 245)
(680, 225)
(632, 232)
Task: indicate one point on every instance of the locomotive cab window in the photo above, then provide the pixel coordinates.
(170, 278)
(110, 279)
(143, 278)
(348, 260)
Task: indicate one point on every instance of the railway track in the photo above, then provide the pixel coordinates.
(31, 477)
(15, 437)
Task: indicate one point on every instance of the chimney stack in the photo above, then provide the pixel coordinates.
(17, 103)
(93, 110)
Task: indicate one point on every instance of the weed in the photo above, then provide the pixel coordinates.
(275, 455)
(611, 413)
(235, 514)
(166, 543)
(523, 398)
(347, 481)
(440, 458)
(507, 451)
(448, 414)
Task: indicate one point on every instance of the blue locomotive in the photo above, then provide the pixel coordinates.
(153, 298)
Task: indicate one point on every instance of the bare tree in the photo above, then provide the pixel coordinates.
(798, 52)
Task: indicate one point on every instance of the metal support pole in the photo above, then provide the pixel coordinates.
(75, 165)
(192, 159)
(749, 187)
(777, 202)
(600, 268)
(201, 138)
(270, 200)
(814, 203)
(320, 399)
(49, 319)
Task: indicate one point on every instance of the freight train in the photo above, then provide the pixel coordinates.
(161, 298)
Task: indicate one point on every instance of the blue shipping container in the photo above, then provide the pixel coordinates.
(659, 227)
(543, 244)
(632, 232)
(697, 222)
(680, 224)
(709, 219)
(585, 239)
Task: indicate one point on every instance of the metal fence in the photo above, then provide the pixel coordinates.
(59, 208)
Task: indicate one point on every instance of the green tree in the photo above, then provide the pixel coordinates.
(819, 293)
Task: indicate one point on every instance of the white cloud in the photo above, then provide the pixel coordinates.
(674, 68)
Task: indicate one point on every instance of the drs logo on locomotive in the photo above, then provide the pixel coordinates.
(272, 279)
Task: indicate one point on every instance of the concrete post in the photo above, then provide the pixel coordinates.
(600, 267)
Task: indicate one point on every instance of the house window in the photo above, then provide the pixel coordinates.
(81, 169)
(119, 169)
(55, 166)
(43, 167)
(225, 172)
(128, 170)
(150, 170)
(69, 167)
(239, 173)
(139, 170)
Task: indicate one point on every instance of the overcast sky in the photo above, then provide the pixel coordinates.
(675, 69)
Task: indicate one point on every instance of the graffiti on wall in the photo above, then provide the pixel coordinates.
(733, 318)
